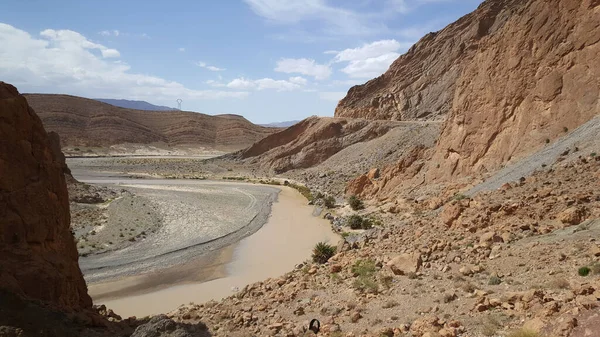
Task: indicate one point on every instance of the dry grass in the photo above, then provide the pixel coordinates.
(559, 283)
(523, 333)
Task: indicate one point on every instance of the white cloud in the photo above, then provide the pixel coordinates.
(110, 53)
(305, 67)
(206, 66)
(371, 67)
(266, 83)
(337, 20)
(334, 96)
(64, 61)
(113, 32)
(370, 60)
(181, 49)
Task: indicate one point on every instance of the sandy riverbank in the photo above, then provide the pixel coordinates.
(284, 241)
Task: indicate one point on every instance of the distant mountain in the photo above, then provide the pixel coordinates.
(136, 105)
(86, 122)
(280, 124)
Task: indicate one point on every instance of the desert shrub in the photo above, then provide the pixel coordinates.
(366, 223)
(355, 221)
(345, 234)
(565, 129)
(355, 203)
(329, 202)
(593, 154)
(584, 271)
(305, 191)
(364, 268)
(547, 141)
(322, 252)
(319, 195)
(494, 280)
(460, 196)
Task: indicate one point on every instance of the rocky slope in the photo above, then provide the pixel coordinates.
(86, 122)
(39, 257)
(318, 140)
(510, 77)
(508, 262)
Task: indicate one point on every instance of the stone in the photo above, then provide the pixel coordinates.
(572, 216)
(405, 263)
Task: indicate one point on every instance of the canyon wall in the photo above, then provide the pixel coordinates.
(507, 79)
(38, 256)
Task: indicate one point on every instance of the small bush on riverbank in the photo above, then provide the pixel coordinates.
(305, 191)
(329, 202)
(322, 252)
(355, 203)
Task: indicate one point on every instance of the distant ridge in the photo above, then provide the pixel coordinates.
(137, 105)
(280, 124)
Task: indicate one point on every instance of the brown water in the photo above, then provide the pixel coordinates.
(284, 241)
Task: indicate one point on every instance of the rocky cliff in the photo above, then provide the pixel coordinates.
(509, 78)
(86, 122)
(38, 253)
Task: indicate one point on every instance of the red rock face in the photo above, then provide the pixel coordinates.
(508, 78)
(38, 256)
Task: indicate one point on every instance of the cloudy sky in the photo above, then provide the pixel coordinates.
(269, 60)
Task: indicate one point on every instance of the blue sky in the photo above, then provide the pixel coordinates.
(268, 60)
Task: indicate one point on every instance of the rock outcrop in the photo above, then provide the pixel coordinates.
(86, 122)
(311, 142)
(38, 253)
(510, 77)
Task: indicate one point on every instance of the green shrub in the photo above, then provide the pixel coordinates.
(565, 129)
(494, 280)
(366, 223)
(319, 195)
(593, 154)
(584, 271)
(329, 202)
(322, 252)
(364, 268)
(355, 203)
(460, 196)
(547, 141)
(355, 221)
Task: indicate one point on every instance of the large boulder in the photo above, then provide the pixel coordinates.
(404, 264)
(38, 257)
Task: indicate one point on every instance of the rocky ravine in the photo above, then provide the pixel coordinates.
(89, 123)
(510, 77)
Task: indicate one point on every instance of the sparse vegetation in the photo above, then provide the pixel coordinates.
(494, 280)
(547, 141)
(329, 201)
(523, 333)
(565, 129)
(355, 203)
(460, 196)
(322, 252)
(584, 271)
(305, 191)
(593, 154)
(355, 221)
(364, 271)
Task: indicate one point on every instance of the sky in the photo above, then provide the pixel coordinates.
(268, 60)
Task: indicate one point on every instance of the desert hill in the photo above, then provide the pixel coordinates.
(86, 122)
(507, 79)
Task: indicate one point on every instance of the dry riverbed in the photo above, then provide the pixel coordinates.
(192, 240)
